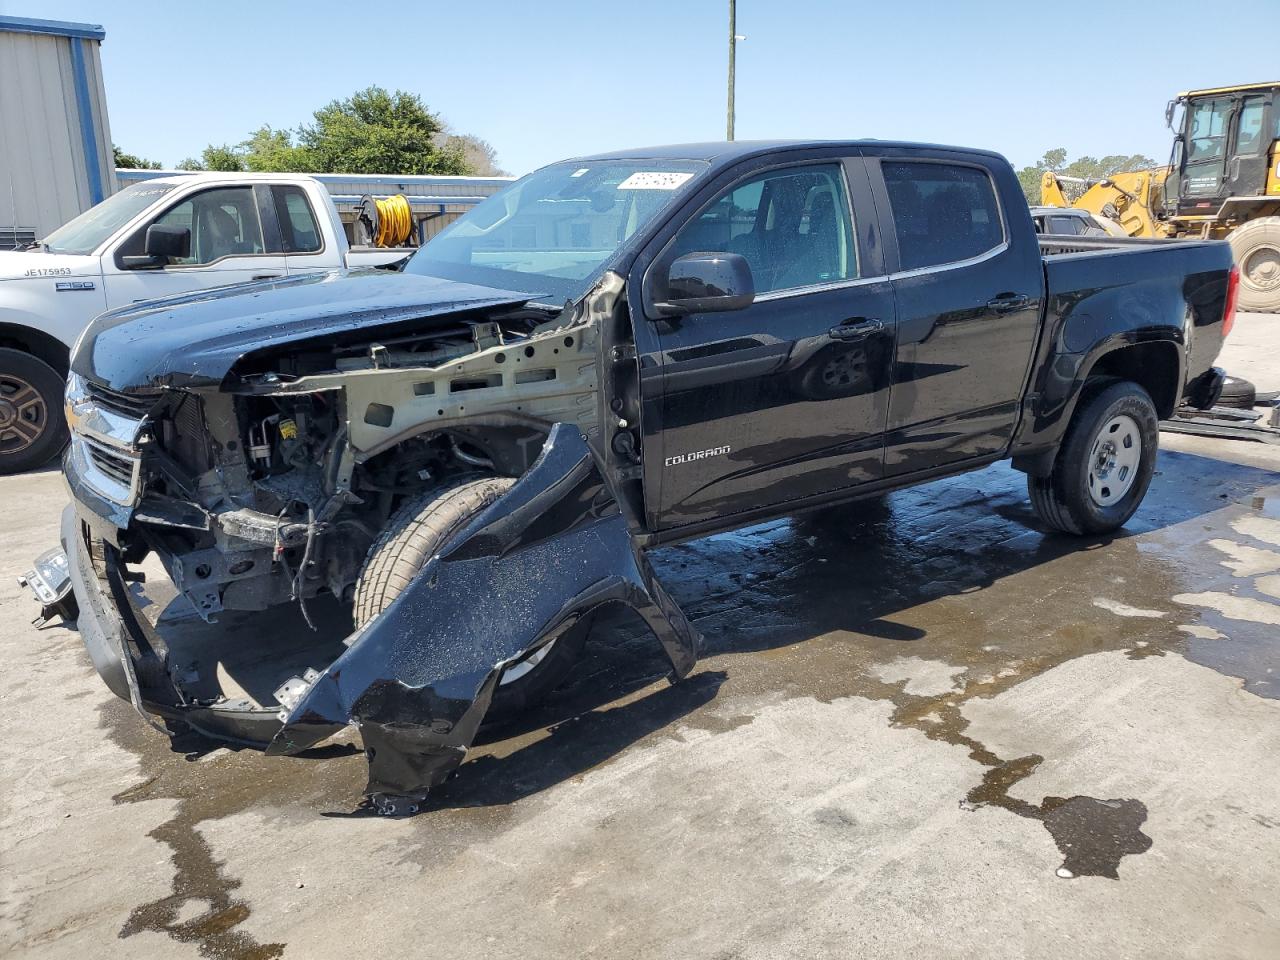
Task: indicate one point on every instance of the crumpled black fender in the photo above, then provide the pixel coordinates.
(418, 679)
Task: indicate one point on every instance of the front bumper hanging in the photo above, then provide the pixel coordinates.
(418, 679)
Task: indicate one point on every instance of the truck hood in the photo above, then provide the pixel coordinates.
(194, 340)
(38, 265)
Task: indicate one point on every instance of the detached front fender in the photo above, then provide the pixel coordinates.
(418, 679)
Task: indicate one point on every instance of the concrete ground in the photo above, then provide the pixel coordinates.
(928, 730)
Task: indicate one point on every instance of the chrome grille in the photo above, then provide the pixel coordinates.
(106, 433)
(132, 405)
(111, 462)
(112, 472)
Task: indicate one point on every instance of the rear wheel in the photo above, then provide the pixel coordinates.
(1256, 248)
(32, 428)
(419, 530)
(1105, 463)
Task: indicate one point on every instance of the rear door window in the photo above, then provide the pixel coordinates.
(299, 232)
(942, 212)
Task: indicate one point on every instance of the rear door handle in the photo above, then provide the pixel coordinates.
(267, 276)
(857, 329)
(1007, 303)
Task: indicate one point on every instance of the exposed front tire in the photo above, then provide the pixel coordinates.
(1256, 249)
(32, 428)
(1105, 463)
(420, 529)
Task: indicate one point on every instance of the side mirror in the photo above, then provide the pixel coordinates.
(705, 283)
(162, 242)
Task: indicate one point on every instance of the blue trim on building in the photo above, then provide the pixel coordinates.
(52, 28)
(84, 106)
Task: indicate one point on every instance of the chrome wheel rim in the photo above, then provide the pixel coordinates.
(518, 670)
(1114, 460)
(841, 371)
(23, 414)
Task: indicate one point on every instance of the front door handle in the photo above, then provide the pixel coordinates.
(1007, 303)
(857, 329)
(267, 276)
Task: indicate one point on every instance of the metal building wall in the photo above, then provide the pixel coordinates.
(55, 142)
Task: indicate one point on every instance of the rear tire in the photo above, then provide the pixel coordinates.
(419, 530)
(1104, 466)
(1256, 249)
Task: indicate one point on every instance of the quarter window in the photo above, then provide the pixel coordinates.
(792, 226)
(298, 230)
(942, 212)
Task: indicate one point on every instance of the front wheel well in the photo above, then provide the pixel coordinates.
(1154, 366)
(37, 343)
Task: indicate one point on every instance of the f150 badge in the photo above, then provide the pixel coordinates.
(680, 458)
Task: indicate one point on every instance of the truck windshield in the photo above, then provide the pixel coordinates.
(553, 232)
(87, 232)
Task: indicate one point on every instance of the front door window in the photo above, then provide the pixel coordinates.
(792, 226)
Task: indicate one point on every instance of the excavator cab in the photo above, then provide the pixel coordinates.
(1226, 151)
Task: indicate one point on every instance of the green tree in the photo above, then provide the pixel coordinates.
(374, 131)
(273, 151)
(1029, 177)
(1086, 167)
(223, 157)
(131, 161)
(479, 158)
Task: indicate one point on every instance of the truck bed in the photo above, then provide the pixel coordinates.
(1103, 290)
(1056, 246)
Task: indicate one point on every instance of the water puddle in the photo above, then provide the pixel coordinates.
(1091, 834)
(210, 781)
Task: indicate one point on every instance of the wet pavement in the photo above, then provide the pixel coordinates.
(921, 727)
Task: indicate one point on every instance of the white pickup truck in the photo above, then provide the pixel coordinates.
(167, 236)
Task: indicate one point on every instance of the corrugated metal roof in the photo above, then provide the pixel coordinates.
(52, 28)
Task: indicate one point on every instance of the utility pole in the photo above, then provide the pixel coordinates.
(733, 48)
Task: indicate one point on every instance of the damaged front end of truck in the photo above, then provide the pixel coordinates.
(263, 461)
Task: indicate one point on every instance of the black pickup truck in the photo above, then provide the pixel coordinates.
(472, 452)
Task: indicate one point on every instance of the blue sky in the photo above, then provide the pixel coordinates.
(547, 79)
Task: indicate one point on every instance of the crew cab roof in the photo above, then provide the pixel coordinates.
(220, 176)
(722, 153)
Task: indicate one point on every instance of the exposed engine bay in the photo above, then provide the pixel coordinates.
(273, 491)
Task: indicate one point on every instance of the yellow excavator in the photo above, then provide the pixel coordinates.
(1222, 182)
